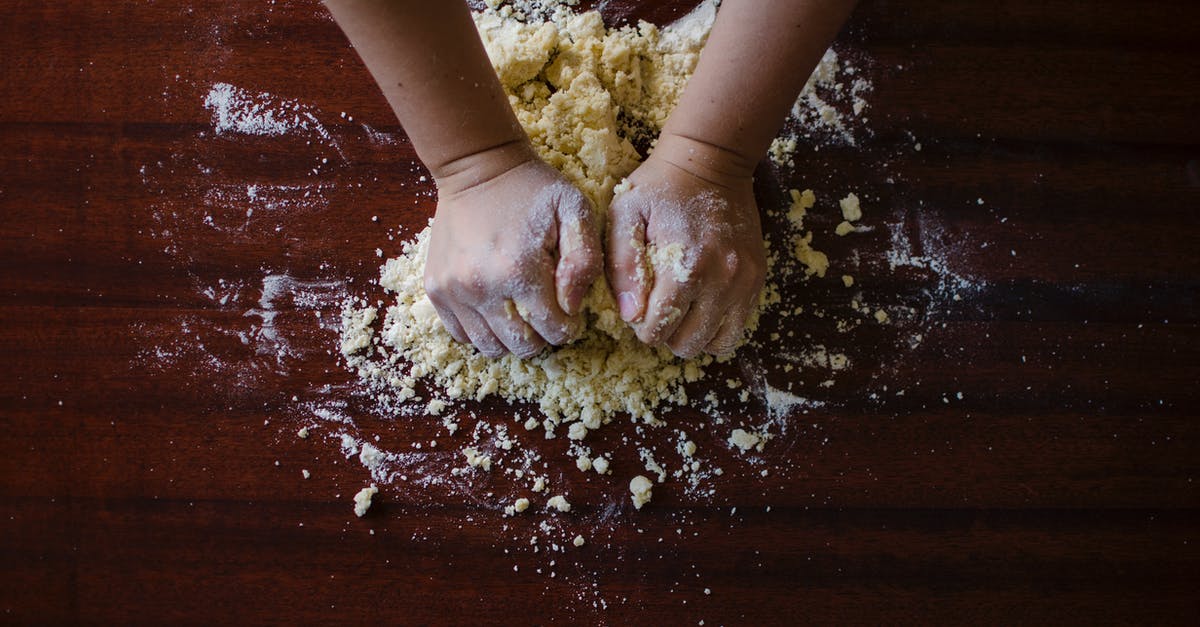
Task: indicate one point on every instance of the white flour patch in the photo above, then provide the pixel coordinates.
(937, 250)
(239, 111)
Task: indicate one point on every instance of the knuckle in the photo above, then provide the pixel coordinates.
(434, 286)
(733, 263)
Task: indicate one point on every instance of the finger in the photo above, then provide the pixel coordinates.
(512, 330)
(450, 321)
(480, 333)
(446, 313)
(627, 266)
(580, 258)
(732, 330)
(538, 307)
(698, 328)
(668, 306)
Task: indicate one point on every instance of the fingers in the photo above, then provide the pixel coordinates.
(479, 333)
(580, 257)
(538, 308)
(626, 266)
(732, 329)
(513, 332)
(698, 328)
(668, 304)
(450, 321)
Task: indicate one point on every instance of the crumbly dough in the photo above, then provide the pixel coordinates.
(584, 93)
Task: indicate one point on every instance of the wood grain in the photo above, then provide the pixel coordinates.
(149, 471)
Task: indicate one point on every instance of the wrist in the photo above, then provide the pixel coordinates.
(713, 163)
(475, 168)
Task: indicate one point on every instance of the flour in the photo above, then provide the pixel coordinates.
(237, 110)
(829, 110)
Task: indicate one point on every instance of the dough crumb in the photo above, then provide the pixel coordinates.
(559, 503)
(578, 541)
(517, 507)
(670, 257)
(802, 201)
(847, 280)
(362, 500)
(477, 460)
(746, 440)
(851, 210)
(641, 488)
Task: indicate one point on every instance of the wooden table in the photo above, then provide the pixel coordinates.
(162, 346)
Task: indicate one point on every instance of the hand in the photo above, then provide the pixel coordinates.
(693, 207)
(511, 257)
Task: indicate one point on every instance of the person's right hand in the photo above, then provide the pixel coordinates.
(511, 257)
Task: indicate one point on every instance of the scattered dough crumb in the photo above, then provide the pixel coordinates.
(746, 440)
(578, 541)
(802, 201)
(851, 210)
(559, 503)
(847, 280)
(477, 460)
(641, 487)
(362, 500)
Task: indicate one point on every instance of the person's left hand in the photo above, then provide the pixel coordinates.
(704, 224)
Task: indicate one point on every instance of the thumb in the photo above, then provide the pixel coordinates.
(628, 274)
(579, 253)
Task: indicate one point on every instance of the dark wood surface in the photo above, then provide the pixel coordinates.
(149, 471)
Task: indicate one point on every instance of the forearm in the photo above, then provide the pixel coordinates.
(757, 59)
(432, 68)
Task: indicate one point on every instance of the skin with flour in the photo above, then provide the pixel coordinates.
(514, 249)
